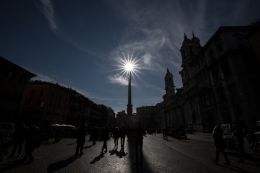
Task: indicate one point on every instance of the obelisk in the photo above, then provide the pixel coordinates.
(129, 105)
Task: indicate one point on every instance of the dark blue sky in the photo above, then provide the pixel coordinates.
(79, 43)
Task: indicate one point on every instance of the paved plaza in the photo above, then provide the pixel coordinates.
(174, 156)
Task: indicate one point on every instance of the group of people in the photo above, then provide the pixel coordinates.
(119, 133)
(30, 136)
(165, 134)
(27, 136)
(135, 138)
(81, 132)
(220, 143)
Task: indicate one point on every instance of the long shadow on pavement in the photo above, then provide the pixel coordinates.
(135, 166)
(73, 143)
(247, 156)
(97, 158)
(12, 164)
(88, 146)
(234, 168)
(61, 164)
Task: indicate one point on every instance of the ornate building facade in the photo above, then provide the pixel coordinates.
(220, 81)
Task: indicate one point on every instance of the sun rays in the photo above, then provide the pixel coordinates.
(128, 64)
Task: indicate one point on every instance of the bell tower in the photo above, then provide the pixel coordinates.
(189, 50)
(169, 84)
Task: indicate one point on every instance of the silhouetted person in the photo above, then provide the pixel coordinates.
(94, 135)
(32, 141)
(239, 133)
(18, 138)
(219, 143)
(165, 134)
(80, 139)
(57, 134)
(139, 133)
(105, 136)
(122, 137)
(115, 134)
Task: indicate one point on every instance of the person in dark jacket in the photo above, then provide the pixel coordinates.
(115, 134)
(93, 135)
(32, 141)
(219, 143)
(122, 138)
(239, 133)
(18, 139)
(80, 139)
(105, 136)
(138, 142)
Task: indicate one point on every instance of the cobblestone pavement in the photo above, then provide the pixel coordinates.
(172, 155)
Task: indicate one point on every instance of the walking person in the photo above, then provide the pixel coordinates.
(18, 139)
(219, 143)
(122, 138)
(94, 135)
(165, 135)
(105, 136)
(80, 139)
(115, 134)
(139, 133)
(32, 141)
(239, 133)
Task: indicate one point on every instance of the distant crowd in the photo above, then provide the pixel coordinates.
(27, 138)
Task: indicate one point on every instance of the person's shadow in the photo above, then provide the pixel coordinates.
(13, 164)
(61, 164)
(88, 146)
(97, 158)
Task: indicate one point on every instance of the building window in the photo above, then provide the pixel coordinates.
(41, 92)
(29, 101)
(211, 53)
(42, 104)
(226, 69)
(193, 117)
(10, 75)
(32, 92)
(219, 46)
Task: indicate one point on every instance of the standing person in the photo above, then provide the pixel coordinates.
(115, 134)
(122, 138)
(219, 143)
(94, 135)
(80, 139)
(239, 133)
(18, 139)
(105, 136)
(165, 134)
(139, 133)
(32, 141)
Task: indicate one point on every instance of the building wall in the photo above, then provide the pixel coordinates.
(220, 81)
(46, 103)
(13, 80)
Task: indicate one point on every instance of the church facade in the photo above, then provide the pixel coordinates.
(220, 82)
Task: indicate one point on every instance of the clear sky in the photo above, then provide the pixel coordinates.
(78, 43)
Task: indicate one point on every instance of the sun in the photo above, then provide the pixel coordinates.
(128, 64)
